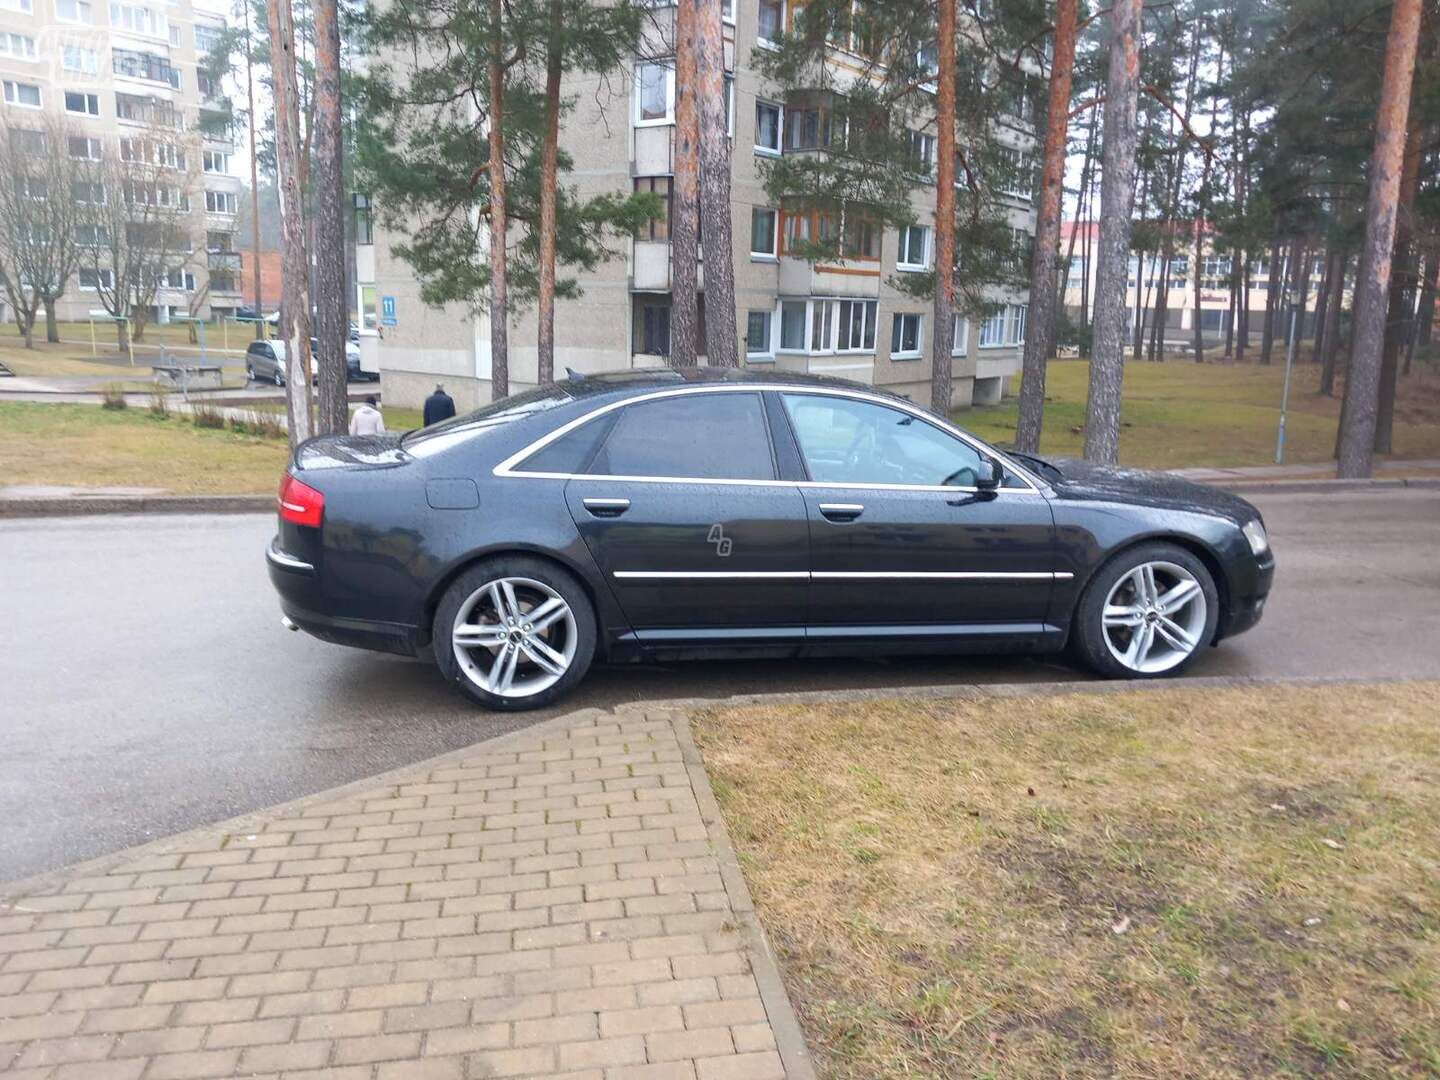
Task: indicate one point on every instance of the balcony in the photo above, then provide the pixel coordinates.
(146, 66)
(227, 261)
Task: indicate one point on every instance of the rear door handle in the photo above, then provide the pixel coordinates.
(840, 512)
(607, 508)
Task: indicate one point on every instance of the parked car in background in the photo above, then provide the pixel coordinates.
(352, 362)
(265, 362)
(648, 515)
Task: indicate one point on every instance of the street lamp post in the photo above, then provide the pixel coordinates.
(1294, 302)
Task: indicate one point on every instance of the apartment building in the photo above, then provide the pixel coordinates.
(1217, 316)
(116, 74)
(845, 319)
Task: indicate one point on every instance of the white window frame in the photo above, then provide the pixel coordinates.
(959, 335)
(226, 199)
(773, 254)
(27, 51)
(669, 117)
(12, 94)
(831, 330)
(727, 16)
(1024, 165)
(25, 7)
(995, 324)
(208, 159)
(778, 148)
(88, 60)
(905, 231)
(89, 99)
(924, 139)
(760, 39)
(104, 274)
(768, 353)
(897, 320)
(84, 13)
(94, 148)
(1017, 319)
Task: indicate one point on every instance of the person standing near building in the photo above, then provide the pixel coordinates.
(367, 419)
(438, 406)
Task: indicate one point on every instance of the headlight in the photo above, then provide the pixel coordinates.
(1255, 533)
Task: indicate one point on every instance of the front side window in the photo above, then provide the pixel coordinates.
(762, 231)
(905, 335)
(846, 441)
(680, 436)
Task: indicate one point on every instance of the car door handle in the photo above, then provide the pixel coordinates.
(841, 511)
(607, 508)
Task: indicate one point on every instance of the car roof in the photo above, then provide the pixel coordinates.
(644, 380)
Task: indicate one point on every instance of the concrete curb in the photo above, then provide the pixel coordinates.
(131, 504)
(1296, 487)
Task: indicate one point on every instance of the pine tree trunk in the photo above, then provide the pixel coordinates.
(1242, 343)
(1303, 292)
(1332, 326)
(52, 328)
(1400, 321)
(1362, 386)
(1040, 338)
(1080, 216)
(549, 165)
(332, 310)
(720, 342)
(1232, 308)
(1426, 314)
(1322, 304)
(499, 226)
(1273, 287)
(940, 369)
(295, 264)
(684, 223)
(1117, 196)
(259, 327)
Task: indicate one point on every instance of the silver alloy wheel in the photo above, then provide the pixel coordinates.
(1154, 617)
(514, 637)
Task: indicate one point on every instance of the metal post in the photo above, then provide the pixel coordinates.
(1285, 393)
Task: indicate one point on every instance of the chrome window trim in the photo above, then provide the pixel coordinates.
(840, 575)
(509, 467)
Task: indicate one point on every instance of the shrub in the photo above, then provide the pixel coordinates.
(159, 407)
(112, 397)
(207, 416)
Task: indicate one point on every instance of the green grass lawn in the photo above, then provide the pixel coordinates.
(1180, 413)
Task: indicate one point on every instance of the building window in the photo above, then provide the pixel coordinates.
(77, 101)
(762, 232)
(90, 279)
(220, 202)
(213, 161)
(827, 326)
(139, 20)
(143, 65)
(768, 125)
(219, 241)
(205, 38)
(757, 333)
(992, 330)
(770, 23)
(922, 151)
(85, 191)
(176, 278)
(92, 235)
(860, 239)
(654, 94)
(914, 248)
(905, 335)
(655, 329)
(24, 94)
(807, 129)
(24, 6)
(33, 187)
(1015, 325)
(79, 60)
(793, 318)
(364, 220)
(73, 11)
(857, 326)
(1016, 176)
(17, 46)
(959, 336)
(662, 186)
(84, 148)
(148, 110)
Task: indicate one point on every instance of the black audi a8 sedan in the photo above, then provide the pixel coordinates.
(713, 512)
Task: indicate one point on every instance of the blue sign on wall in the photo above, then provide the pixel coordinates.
(387, 311)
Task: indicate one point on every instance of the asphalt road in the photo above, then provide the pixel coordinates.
(147, 687)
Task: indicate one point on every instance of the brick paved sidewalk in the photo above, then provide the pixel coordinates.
(558, 902)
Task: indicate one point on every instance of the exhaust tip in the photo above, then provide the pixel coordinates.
(288, 623)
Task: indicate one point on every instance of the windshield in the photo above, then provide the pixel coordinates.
(497, 413)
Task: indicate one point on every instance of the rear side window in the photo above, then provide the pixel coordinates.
(572, 452)
(699, 436)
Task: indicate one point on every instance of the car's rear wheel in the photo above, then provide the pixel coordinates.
(279, 379)
(515, 633)
(1147, 613)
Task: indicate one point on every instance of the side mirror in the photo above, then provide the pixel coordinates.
(987, 474)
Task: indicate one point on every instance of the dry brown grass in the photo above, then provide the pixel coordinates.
(1173, 883)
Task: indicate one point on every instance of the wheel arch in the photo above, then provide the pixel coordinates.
(1192, 544)
(473, 558)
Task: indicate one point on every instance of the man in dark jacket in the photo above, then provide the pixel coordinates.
(438, 406)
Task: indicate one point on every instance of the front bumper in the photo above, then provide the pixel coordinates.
(302, 601)
(1247, 603)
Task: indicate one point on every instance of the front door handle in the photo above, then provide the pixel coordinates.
(841, 512)
(607, 508)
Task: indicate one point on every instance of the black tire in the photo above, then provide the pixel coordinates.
(249, 374)
(279, 379)
(1087, 632)
(515, 566)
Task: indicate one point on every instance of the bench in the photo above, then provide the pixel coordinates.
(188, 376)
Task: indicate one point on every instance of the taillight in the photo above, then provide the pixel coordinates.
(300, 503)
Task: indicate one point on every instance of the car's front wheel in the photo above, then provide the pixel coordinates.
(1147, 613)
(515, 633)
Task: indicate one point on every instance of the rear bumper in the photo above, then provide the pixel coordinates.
(302, 602)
